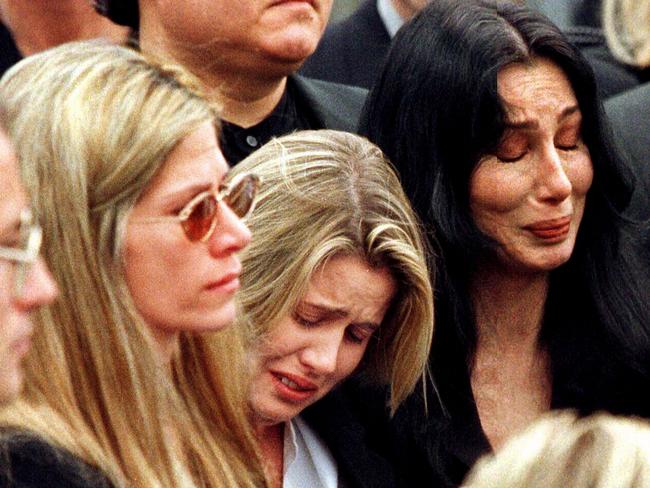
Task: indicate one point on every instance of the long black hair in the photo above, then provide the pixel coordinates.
(435, 110)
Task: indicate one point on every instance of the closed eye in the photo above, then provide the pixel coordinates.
(306, 321)
(513, 146)
(568, 148)
(358, 334)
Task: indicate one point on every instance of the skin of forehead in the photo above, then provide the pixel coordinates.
(541, 79)
(12, 195)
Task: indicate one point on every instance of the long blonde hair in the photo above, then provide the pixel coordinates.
(627, 30)
(92, 124)
(327, 193)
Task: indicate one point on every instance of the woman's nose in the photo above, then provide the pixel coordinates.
(39, 287)
(231, 234)
(322, 355)
(554, 184)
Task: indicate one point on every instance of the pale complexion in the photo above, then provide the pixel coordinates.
(242, 50)
(39, 289)
(307, 353)
(178, 285)
(529, 196)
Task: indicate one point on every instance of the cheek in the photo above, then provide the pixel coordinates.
(155, 273)
(349, 359)
(496, 189)
(281, 341)
(581, 174)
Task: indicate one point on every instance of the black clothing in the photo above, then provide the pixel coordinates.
(612, 76)
(9, 54)
(629, 115)
(357, 446)
(306, 104)
(579, 20)
(437, 448)
(27, 461)
(352, 51)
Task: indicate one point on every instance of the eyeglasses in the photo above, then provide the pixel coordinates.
(30, 239)
(199, 217)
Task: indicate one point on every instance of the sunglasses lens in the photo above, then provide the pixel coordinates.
(241, 196)
(199, 221)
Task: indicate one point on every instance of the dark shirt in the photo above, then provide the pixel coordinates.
(289, 115)
(28, 461)
(9, 54)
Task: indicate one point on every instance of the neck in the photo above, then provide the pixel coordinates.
(247, 104)
(509, 307)
(37, 25)
(270, 438)
(245, 95)
(165, 345)
(404, 9)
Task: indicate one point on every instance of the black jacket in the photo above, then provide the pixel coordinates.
(331, 105)
(353, 51)
(629, 115)
(28, 461)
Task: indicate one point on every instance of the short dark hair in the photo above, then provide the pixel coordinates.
(435, 110)
(123, 12)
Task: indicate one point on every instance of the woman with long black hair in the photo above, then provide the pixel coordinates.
(492, 118)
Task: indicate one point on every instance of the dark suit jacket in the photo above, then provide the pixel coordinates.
(28, 461)
(332, 105)
(9, 54)
(629, 115)
(353, 423)
(351, 52)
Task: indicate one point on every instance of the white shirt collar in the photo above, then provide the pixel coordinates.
(389, 16)
(307, 460)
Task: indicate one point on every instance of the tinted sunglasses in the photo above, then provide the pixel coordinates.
(199, 217)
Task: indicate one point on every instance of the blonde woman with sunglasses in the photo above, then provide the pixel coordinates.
(25, 282)
(335, 283)
(142, 226)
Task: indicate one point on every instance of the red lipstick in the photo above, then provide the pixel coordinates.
(552, 229)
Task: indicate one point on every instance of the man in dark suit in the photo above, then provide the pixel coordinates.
(245, 53)
(353, 51)
(580, 20)
(629, 114)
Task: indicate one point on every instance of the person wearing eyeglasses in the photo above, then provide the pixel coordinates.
(127, 385)
(335, 282)
(25, 282)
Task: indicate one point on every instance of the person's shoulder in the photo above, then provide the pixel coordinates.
(336, 106)
(331, 88)
(365, 18)
(633, 98)
(29, 461)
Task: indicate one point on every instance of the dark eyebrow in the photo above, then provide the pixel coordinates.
(569, 111)
(531, 124)
(524, 124)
